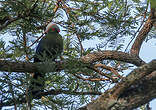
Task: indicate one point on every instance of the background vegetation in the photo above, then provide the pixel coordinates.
(86, 71)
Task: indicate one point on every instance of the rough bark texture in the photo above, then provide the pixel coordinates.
(136, 88)
(131, 92)
(6, 65)
(112, 55)
(143, 33)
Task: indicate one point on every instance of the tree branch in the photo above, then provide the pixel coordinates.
(6, 65)
(112, 55)
(109, 68)
(143, 34)
(138, 92)
(133, 77)
(92, 79)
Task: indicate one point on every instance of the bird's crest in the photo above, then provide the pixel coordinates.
(52, 27)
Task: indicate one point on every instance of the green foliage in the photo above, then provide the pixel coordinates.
(153, 3)
(22, 22)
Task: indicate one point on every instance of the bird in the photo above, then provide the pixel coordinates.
(48, 48)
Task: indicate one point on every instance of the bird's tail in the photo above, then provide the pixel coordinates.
(36, 84)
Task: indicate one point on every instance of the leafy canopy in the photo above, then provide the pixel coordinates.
(81, 21)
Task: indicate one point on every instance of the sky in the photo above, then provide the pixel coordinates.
(148, 53)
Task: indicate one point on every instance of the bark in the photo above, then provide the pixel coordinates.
(143, 33)
(9, 66)
(112, 55)
(136, 93)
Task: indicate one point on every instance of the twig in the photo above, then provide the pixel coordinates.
(68, 10)
(25, 46)
(80, 43)
(92, 79)
(37, 40)
(21, 99)
(28, 100)
(57, 5)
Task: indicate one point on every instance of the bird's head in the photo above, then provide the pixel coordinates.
(51, 27)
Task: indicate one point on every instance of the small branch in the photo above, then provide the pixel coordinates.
(92, 79)
(27, 59)
(25, 46)
(37, 40)
(21, 99)
(9, 21)
(104, 74)
(57, 5)
(109, 68)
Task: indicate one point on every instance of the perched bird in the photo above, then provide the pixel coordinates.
(49, 47)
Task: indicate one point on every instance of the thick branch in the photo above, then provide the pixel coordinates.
(137, 91)
(133, 77)
(112, 55)
(143, 34)
(142, 93)
(89, 58)
(9, 66)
